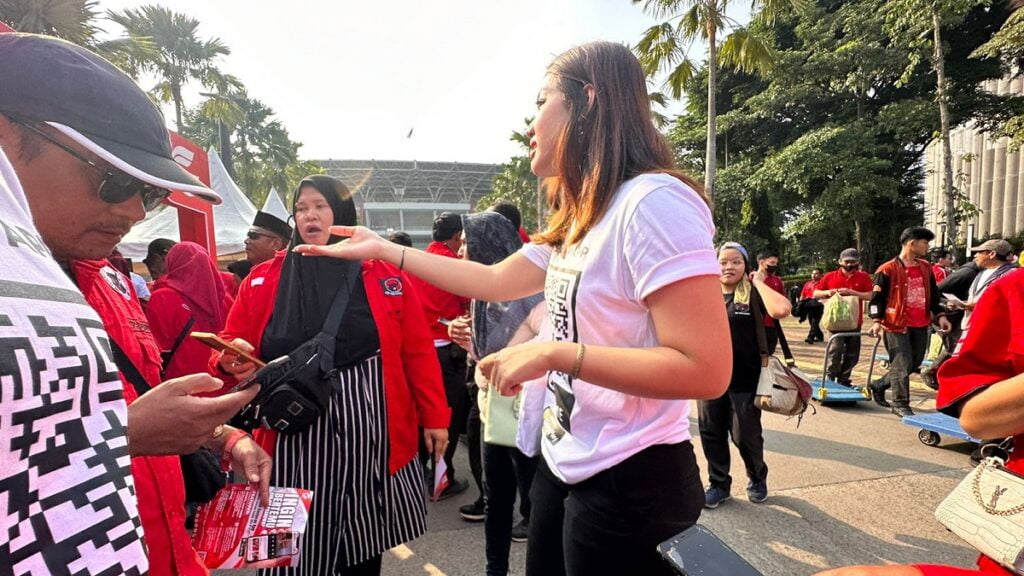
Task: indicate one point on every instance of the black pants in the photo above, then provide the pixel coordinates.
(815, 310)
(906, 352)
(612, 522)
(508, 471)
(473, 437)
(732, 415)
(453, 372)
(842, 357)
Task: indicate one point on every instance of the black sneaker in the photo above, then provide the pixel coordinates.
(878, 395)
(475, 512)
(715, 496)
(902, 411)
(757, 492)
(520, 530)
(456, 486)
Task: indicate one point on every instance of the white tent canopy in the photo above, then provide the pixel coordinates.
(231, 218)
(275, 206)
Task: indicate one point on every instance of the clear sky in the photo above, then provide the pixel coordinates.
(351, 79)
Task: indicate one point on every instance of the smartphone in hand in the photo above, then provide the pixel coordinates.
(218, 343)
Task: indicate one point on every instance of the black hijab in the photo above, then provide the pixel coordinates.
(308, 286)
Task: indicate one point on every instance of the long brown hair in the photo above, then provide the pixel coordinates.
(605, 142)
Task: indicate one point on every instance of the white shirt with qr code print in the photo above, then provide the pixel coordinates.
(656, 231)
(67, 500)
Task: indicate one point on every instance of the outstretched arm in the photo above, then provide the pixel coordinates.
(692, 359)
(513, 278)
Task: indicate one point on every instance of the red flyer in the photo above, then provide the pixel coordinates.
(235, 531)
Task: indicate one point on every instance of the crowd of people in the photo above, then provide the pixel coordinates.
(566, 358)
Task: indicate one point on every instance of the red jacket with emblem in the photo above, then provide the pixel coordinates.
(413, 390)
(158, 482)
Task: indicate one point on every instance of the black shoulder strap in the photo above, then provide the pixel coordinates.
(177, 342)
(756, 304)
(755, 308)
(126, 367)
(332, 323)
(785, 345)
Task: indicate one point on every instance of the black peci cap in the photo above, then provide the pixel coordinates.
(95, 104)
(272, 223)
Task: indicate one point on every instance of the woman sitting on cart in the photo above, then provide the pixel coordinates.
(983, 384)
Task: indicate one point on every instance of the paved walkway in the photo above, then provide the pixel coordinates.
(850, 485)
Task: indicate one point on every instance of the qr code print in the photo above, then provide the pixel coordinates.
(67, 501)
(560, 294)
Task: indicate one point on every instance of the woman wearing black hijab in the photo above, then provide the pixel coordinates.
(359, 456)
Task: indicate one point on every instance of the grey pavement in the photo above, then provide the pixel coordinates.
(850, 485)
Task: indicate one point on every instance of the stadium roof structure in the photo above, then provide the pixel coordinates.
(413, 181)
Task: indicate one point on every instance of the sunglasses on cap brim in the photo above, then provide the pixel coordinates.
(116, 186)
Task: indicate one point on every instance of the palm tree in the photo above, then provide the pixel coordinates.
(665, 47)
(181, 56)
(74, 21)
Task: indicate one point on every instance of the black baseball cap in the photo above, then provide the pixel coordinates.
(91, 101)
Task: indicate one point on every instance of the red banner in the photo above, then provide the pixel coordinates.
(195, 216)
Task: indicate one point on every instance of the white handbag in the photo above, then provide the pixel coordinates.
(986, 510)
(782, 389)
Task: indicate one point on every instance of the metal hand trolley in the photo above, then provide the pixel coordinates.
(829, 391)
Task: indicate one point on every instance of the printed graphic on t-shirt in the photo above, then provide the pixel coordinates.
(62, 414)
(560, 289)
(917, 316)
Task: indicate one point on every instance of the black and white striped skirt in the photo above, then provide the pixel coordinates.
(358, 509)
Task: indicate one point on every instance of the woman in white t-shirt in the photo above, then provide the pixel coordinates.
(630, 276)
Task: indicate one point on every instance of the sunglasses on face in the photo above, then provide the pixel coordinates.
(254, 235)
(116, 186)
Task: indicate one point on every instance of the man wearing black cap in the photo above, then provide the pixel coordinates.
(266, 237)
(91, 153)
(440, 308)
(848, 280)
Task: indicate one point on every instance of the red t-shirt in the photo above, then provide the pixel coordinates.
(917, 314)
(939, 272)
(808, 290)
(859, 281)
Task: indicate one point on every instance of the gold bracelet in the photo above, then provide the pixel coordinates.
(581, 351)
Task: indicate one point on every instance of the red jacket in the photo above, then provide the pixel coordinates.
(436, 302)
(168, 313)
(413, 389)
(991, 350)
(158, 482)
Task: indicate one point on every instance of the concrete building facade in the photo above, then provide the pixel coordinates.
(408, 194)
(984, 168)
